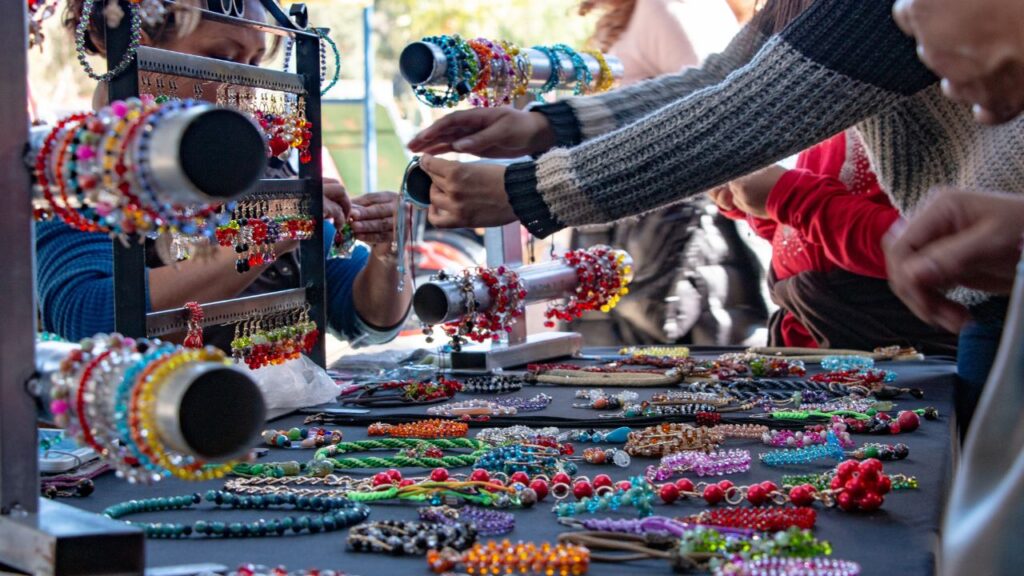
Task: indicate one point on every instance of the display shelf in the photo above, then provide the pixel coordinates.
(156, 60)
(175, 321)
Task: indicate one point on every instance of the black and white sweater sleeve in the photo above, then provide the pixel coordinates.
(840, 62)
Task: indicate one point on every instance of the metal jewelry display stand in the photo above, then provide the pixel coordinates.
(228, 83)
(37, 535)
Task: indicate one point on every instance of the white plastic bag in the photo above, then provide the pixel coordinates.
(295, 384)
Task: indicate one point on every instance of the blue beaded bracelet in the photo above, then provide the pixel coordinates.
(584, 78)
(556, 71)
(830, 449)
(834, 363)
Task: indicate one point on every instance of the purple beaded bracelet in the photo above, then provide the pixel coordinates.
(650, 525)
(701, 464)
(487, 522)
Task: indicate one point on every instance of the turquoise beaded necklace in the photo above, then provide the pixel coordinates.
(330, 514)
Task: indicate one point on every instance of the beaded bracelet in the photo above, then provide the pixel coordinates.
(811, 435)
(834, 363)
(823, 480)
(492, 384)
(616, 436)
(788, 567)
(605, 79)
(517, 434)
(710, 464)
(639, 494)
(582, 72)
(473, 407)
(487, 522)
(332, 514)
(306, 437)
(556, 71)
(522, 68)
(601, 400)
(400, 538)
(520, 405)
(760, 519)
(508, 558)
(654, 525)
(434, 428)
(602, 455)
(263, 570)
(831, 449)
(668, 438)
(524, 458)
(461, 73)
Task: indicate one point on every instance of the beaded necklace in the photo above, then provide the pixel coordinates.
(487, 522)
(330, 514)
(400, 538)
(507, 558)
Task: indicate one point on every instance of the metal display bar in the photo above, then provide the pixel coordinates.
(175, 321)
(285, 27)
(200, 68)
(425, 64)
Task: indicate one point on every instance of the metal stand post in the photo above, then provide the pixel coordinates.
(504, 246)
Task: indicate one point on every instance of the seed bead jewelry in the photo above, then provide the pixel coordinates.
(555, 61)
(668, 438)
(488, 523)
(330, 514)
(461, 73)
(507, 558)
(787, 567)
(710, 464)
(434, 428)
(599, 456)
(474, 407)
(522, 68)
(400, 538)
(82, 29)
(759, 519)
(842, 363)
(306, 437)
(584, 79)
(528, 459)
(831, 449)
(492, 384)
(605, 79)
(521, 405)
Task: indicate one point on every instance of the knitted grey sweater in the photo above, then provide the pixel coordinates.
(842, 63)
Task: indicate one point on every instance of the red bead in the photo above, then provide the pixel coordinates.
(769, 486)
(894, 428)
(713, 494)
(381, 479)
(870, 502)
(870, 464)
(884, 485)
(582, 489)
(540, 487)
(846, 469)
(602, 480)
(757, 495)
(395, 475)
(567, 449)
(684, 485)
(801, 496)
(480, 475)
(520, 478)
(561, 478)
(668, 493)
(496, 482)
(908, 421)
(846, 502)
(439, 475)
(725, 484)
(624, 485)
(406, 482)
(854, 487)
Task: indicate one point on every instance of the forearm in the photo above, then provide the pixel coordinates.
(578, 119)
(809, 83)
(375, 294)
(204, 278)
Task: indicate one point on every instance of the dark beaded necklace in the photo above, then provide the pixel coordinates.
(492, 384)
(332, 514)
(410, 538)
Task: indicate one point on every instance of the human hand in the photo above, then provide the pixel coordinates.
(722, 197)
(373, 217)
(467, 195)
(337, 204)
(487, 132)
(958, 238)
(977, 47)
(749, 193)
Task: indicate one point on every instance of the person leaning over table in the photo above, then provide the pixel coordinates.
(968, 238)
(785, 83)
(75, 269)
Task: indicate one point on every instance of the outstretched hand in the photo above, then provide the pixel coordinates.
(487, 132)
(467, 195)
(373, 217)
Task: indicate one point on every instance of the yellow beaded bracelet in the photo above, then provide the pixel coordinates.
(605, 81)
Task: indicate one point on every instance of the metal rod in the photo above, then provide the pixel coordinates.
(440, 301)
(425, 64)
(19, 471)
(312, 255)
(225, 311)
(369, 105)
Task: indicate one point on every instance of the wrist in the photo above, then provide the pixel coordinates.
(544, 137)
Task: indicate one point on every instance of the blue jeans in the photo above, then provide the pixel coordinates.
(979, 342)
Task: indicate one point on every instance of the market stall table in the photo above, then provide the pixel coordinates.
(901, 538)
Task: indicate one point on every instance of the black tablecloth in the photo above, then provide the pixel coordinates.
(901, 538)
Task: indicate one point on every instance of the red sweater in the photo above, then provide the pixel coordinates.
(827, 213)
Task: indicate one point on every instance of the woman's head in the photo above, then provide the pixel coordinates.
(613, 21)
(180, 33)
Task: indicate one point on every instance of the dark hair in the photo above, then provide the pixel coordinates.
(774, 15)
(612, 23)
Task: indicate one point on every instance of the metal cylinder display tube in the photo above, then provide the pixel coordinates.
(209, 410)
(440, 301)
(425, 64)
(204, 154)
(204, 409)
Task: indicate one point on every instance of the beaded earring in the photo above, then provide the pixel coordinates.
(114, 16)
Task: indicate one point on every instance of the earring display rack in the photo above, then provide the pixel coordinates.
(163, 73)
(41, 536)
